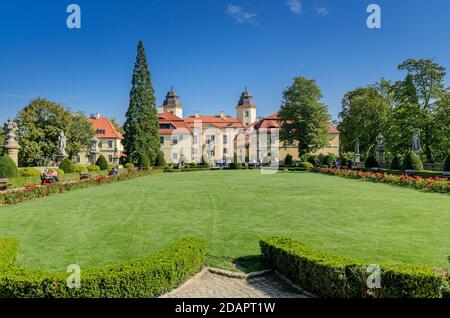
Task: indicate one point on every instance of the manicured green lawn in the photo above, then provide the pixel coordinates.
(232, 210)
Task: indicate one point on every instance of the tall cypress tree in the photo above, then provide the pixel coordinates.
(141, 126)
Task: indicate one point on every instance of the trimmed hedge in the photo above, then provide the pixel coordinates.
(93, 168)
(149, 276)
(8, 168)
(67, 166)
(102, 163)
(29, 172)
(326, 275)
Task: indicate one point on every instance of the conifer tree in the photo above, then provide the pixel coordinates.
(141, 126)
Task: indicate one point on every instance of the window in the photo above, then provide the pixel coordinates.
(247, 113)
(195, 140)
(175, 156)
(100, 132)
(166, 126)
(174, 140)
(225, 139)
(110, 159)
(246, 124)
(161, 140)
(180, 138)
(110, 144)
(225, 150)
(100, 145)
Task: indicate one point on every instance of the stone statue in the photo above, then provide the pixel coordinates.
(380, 148)
(11, 147)
(62, 142)
(357, 147)
(416, 142)
(10, 130)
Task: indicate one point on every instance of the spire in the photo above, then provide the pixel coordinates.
(172, 99)
(246, 99)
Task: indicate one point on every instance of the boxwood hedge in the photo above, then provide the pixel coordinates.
(149, 276)
(326, 275)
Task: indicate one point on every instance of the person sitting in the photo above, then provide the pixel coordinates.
(54, 175)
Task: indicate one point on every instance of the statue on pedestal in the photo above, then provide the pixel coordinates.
(11, 146)
(380, 149)
(357, 153)
(61, 151)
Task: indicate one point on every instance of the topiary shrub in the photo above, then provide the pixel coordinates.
(93, 168)
(143, 162)
(412, 162)
(329, 159)
(288, 161)
(29, 172)
(306, 165)
(8, 168)
(447, 163)
(236, 162)
(79, 169)
(160, 160)
(371, 162)
(67, 166)
(129, 165)
(396, 163)
(102, 163)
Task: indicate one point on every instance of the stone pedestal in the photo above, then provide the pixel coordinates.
(59, 158)
(380, 157)
(357, 157)
(11, 148)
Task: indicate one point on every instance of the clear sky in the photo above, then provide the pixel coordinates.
(209, 49)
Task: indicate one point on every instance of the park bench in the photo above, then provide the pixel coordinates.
(4, 184)
(84, 175)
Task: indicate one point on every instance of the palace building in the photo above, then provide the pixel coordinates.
(107, 142)
(218, 137)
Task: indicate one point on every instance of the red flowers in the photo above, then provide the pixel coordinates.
(435, 184)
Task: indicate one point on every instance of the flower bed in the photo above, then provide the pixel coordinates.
(33, 191)
(433, 184)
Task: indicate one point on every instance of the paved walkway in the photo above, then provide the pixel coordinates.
(210, 285)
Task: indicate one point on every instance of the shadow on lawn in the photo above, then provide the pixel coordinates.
(250, 263)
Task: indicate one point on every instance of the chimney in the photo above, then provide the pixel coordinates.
(222, 115)
(197, 114)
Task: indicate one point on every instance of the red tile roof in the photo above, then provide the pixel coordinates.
(216, 121)
(103, 123)
(179, 125)
(273, 121)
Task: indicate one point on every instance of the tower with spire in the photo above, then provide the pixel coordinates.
(246, 108)
(172, 104)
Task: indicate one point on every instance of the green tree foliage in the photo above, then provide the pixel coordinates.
(288, 160)
(102, 163)
(141, 126)
(160, 160)
(371, 162)
(8, 168)
(365, 113)
(143, 161)
(441, 128)
(39, 126)
(67, 166)
(447, 162)
(304, 118)
(411, 162)
(428, 80)
(396, 163)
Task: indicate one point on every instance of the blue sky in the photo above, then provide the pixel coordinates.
(209, 49)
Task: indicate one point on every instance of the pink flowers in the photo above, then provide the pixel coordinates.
(435, 184)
